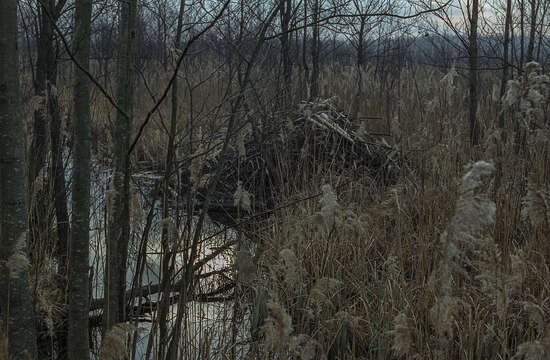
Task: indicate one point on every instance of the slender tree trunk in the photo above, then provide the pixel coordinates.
(474, 125)
(285, 17)
(45, 83)
(522, 32)
(16, 308)
(77, 339)
(58, 173)
(513, 48)
(541, 30)
(505, 57)
(38, 147)
(504, 80)
(360, 62)
(118, 233)
(167, 251)
(304, 50)
(315, 44)
(59, 199)
(532, 30)
(45, 70)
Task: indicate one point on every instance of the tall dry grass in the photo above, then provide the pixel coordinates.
(451, 261)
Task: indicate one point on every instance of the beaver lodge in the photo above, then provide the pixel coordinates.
(275, 156)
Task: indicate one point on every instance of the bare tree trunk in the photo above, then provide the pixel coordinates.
(58, 173)
(118, 233)
(542, 29)
(360, 62)
(505, 57)
(49, 12)
(38, 146)
(45, 83)
(59, 199)
(167, 251)
(532, 29)
(78, 296)
(474, 125)
(44, 72)
(286, 17)
(315, 44)
(522, 32)
(16, 308)
(304, 50)
(504, 80)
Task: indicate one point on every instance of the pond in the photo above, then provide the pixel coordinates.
(207, 331)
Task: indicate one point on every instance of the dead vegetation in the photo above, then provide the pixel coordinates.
(404, 244)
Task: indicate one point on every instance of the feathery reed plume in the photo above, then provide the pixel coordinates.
(500, 283)
(240, 140)
(303, 347)
(326, 217)
(462, 239)
(323, 292)
(534, 350)
(18, 261)
(403, 335)
(241, 198)
(513, 93)
(328, 202)
(277, 327)
(47, 294)
(536, 205)
(449, 83)
(536, 315)
(529, 95)
(291, 267)
(114, 346)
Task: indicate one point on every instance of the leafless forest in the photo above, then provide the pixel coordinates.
(274, 179)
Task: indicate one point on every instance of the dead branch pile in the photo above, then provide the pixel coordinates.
(269, 158)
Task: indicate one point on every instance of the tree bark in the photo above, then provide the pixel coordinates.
(44, 71)
(304, 49)
(474, 125)
(315, 44)
(532, 30)
(541, 30)
(522, 32)
(16, 308)
(360, 62)
(286, 17)
(59, 196)
(118, 233)
(45, 83)
(168, 250)
(59, 200)
(505, 57)
(79, 303)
